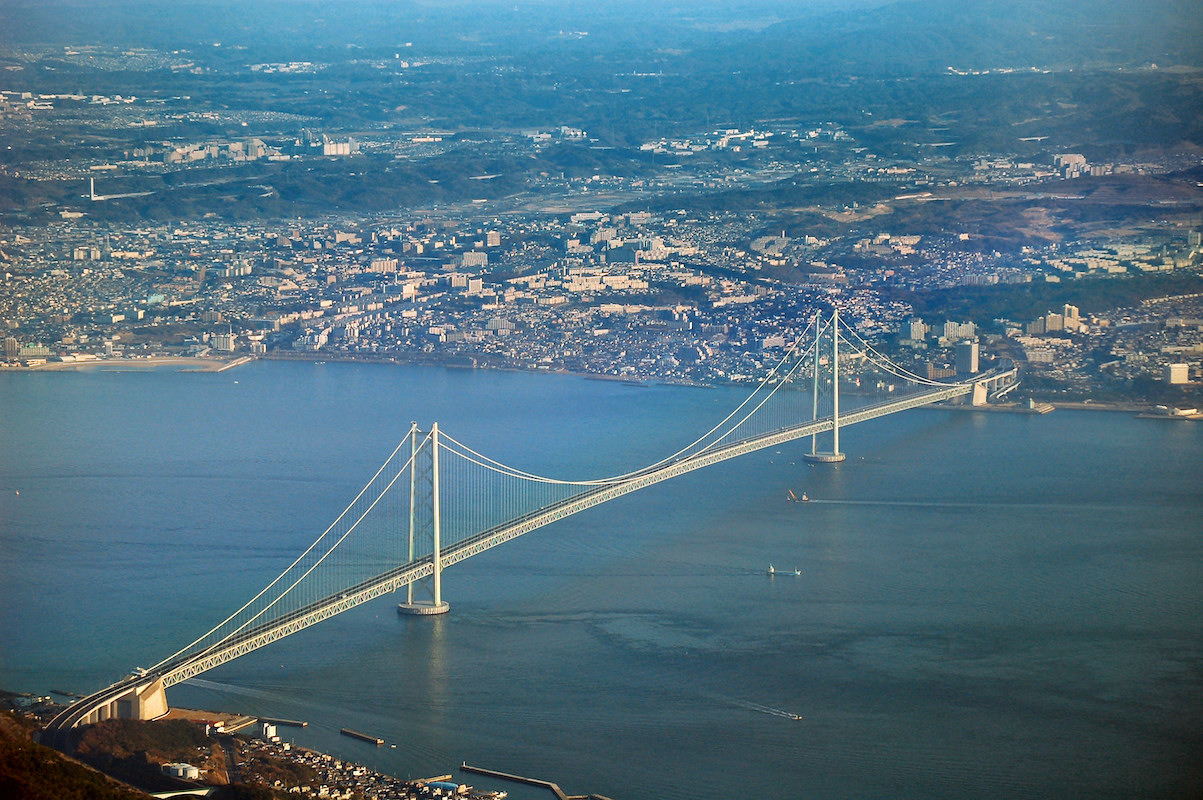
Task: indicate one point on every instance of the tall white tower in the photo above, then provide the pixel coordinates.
(834, 455)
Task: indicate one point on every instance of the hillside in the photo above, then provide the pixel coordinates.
(31, 771)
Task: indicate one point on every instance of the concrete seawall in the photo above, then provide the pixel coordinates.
(554, 788)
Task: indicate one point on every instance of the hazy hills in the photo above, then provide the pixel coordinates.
(906, 37)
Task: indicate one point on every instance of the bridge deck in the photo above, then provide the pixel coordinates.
(253, 638)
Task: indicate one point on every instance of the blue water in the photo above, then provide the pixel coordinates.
(990, 605)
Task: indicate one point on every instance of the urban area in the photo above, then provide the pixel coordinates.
(681, 294)
(576, 208)
(188, 749)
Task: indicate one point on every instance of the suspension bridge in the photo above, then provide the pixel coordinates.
(435, 502)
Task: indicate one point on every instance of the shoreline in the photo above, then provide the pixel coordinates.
(1125, 408)
(350, 776)
(210, 364)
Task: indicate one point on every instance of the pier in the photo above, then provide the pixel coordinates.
(554, 788)
(292, 723)
(363, 737)
(238, 724)
(238, 362)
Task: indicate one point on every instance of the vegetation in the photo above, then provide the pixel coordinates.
(31, 771)
(134, 750)
(1027, 301)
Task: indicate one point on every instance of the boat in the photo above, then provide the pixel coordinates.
(795, 716)
(797, 571)
(793, 498)
(771, 570)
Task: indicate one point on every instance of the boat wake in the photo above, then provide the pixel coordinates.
(762, 709)
(232, 689)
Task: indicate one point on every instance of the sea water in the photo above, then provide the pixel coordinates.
(988, 605)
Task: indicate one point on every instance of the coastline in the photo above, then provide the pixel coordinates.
(1132, 408)
(1014, 408)
(212, 364)
(253, 747)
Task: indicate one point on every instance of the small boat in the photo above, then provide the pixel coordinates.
(797, 571)
(795, 717)
(793, 498)
(771, 570)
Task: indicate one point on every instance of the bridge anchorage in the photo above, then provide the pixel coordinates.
(435, 502)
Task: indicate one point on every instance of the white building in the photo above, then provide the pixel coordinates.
(1177, 374)
(959, 330)
(967, 358)
(474, 258)
(185, 771)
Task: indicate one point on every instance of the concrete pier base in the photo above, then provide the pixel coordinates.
(824, 458)
(422, 609)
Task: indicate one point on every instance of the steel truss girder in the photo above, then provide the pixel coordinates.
(408, 573)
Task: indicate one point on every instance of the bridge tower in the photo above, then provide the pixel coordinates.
(834, 455)
(424, 513)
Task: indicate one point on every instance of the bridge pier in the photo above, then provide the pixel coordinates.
(980, 394)
(420, 609)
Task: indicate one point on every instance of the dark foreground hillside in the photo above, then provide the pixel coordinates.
(31, 771)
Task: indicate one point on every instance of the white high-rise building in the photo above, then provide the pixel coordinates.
(1177, 374)
(959, 330)
(967, 357)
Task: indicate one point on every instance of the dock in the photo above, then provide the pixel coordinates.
(238, 724)
(292, 723)
(363, 737)
(554, 788)
(238, 362)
